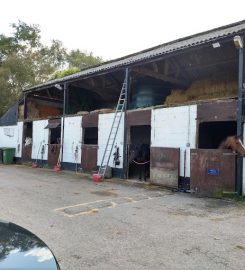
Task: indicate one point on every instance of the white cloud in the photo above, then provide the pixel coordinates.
(42, 254)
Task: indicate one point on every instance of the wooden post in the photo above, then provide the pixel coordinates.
(239, 167)
(25, 106)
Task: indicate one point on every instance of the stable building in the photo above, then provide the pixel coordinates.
(182, 99)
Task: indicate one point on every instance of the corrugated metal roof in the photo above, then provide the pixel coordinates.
(10, 117)
(177, 45)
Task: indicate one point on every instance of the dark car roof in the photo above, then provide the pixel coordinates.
(21, 249)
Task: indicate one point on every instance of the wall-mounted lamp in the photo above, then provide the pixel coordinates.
(238, 42)
(58, 86)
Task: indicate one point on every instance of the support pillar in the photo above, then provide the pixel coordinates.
(240, 112)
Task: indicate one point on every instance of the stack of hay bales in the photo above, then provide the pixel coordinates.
(105, 110)
(47, 111)
(212, 88)
(36, 110)
(32, 110)
(21, 112)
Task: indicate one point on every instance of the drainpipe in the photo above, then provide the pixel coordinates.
(239, 168)
(125, 140)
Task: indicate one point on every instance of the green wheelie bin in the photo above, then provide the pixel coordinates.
(1, 156)
(8, 155)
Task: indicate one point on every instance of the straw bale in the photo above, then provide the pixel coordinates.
(105, 110)
(82, 112)
(45, 111)
(214, 87)
(21, 112)
(32, 110)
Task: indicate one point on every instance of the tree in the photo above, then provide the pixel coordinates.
(82, 60)
(76, 61)
(25, 62)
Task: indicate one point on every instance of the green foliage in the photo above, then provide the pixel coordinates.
(25, 62)
(82, 60)
(63, 73)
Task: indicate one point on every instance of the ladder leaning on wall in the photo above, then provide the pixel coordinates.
(114, 129)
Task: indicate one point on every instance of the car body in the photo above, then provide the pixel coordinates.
(21, 249)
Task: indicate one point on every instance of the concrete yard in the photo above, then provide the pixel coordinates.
(112, 226)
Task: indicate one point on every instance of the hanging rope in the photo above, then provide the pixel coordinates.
(141, 163)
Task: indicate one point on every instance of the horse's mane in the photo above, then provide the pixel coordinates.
(225, 144)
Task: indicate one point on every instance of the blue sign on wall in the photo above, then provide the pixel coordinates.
(213, 171)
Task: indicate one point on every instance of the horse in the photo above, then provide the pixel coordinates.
(139, 154)
(234, 143)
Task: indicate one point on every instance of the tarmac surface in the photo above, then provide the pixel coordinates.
(116, 226)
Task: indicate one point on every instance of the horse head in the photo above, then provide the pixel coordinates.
(133, 152)
(140, 152)
(234, 143)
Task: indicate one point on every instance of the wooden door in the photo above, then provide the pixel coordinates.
(89, 158)
(53, 154)
(164, 167)
(212, 170)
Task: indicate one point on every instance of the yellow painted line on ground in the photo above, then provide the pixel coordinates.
(80, 204)
(113, 205)
(96, 210)
(130, 199)
(91, 211)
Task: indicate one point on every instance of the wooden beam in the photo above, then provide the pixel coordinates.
(92, 82)
(208, 65)
(176, 67)
(159, 76)
(49, 95)
(115, 80)
(155, 67)
(166, 66)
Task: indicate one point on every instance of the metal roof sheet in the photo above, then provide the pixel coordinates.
(154, 52)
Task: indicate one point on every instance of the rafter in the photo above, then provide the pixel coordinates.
(159, 76)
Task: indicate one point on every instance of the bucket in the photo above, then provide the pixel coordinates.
(57, 168)
(97, 178)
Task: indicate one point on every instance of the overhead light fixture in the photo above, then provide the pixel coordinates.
(216, 45)
(238, 42)
(58, 86)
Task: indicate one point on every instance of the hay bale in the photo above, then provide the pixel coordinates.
(32, 110)
(82, 113)
(215, 87)
(46, 111)
(177, 96)
(106, 110)
(21, 112)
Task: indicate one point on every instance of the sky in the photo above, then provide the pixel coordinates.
(115, 28)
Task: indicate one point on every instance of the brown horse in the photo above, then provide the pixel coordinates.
(234, 143)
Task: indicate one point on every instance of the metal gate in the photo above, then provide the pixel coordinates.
(164, 168)
(212, 170)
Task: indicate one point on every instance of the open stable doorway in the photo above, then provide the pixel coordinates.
(27, 141)
(139, 152)
(211, 134)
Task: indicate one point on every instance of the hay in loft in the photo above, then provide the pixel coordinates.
(103, 110)
(204, 90)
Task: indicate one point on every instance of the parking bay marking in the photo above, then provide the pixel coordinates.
(95, 206)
